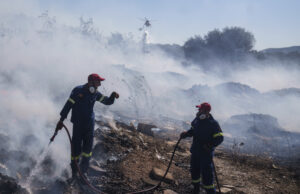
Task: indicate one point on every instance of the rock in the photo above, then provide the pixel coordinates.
(157, 174)
(160, 157)
(95, 162)
(171, 143)
(182, 154)
(96, 171)
(112, 159)
(149, 181)
(225, 190)
(146, 129)
(269, 187)
(168, 191)
(228, 186)
(274, 166)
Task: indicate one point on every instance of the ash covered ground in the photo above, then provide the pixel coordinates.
(125, 154)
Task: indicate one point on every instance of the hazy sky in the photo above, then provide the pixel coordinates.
(274, 23)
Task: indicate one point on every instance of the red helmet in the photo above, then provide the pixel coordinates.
(204, 106)
(95, 77)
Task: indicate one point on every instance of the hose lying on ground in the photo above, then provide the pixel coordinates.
(78, 168)
(161, 180)
(100, 192)
(217, 180)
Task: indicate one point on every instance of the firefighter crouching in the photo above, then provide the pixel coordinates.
(81, 101)
(207, 135)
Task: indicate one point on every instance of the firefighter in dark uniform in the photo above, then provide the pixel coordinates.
(81, 101)
(207, 135)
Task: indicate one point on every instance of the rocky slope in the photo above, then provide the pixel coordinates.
(126, 159)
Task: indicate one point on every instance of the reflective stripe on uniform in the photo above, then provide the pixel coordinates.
(217, 134)
(87, 154)
(71, 100)
(209, 186)
(75, 157)
(197, 180)
(101, 99)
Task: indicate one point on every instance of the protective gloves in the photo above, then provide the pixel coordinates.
(59, 125)
(183, 135)
(115, 95)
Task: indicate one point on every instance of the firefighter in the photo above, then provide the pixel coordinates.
(207, 135)
(81, 101)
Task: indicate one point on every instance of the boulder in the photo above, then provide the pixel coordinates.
(168, 191)
(96, 171)
(225, 190)
(157, 174)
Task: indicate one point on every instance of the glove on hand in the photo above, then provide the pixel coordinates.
(183, 135)
(115, 95)
(59, 125)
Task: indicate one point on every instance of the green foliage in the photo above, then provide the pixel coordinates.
(230, 44)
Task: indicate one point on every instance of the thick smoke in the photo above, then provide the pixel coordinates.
(42, 59)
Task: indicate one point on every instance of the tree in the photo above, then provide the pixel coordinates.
(195, 48)
(230, 44)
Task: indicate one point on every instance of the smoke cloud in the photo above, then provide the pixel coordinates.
(42, 59)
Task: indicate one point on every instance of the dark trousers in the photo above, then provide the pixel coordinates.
(82, 143)
(201, 164)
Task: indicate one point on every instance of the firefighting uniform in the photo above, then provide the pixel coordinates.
(204, 132)
(81, 102)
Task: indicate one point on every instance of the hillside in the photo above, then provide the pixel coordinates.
(124, 158)
(282, 50)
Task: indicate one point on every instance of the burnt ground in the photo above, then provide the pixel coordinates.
(123, 159)
(127, 158)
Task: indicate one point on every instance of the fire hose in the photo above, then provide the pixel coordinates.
(100, 192)
(76, 163)
(217, 180)
(161, 180)
(135, 192)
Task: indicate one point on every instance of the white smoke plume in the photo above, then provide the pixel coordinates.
(42, 59)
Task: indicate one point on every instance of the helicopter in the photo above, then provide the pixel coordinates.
(146, 24)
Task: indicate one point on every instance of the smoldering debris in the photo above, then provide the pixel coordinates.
(9, 185)
(124, 156)
(27, 172)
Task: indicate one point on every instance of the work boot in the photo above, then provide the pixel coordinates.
(84, 164)
(196, 188)
(74, 167)
(210, 191)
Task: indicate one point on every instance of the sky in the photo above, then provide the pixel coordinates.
(274, 23)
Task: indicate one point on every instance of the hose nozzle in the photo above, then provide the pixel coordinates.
(53, 137)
